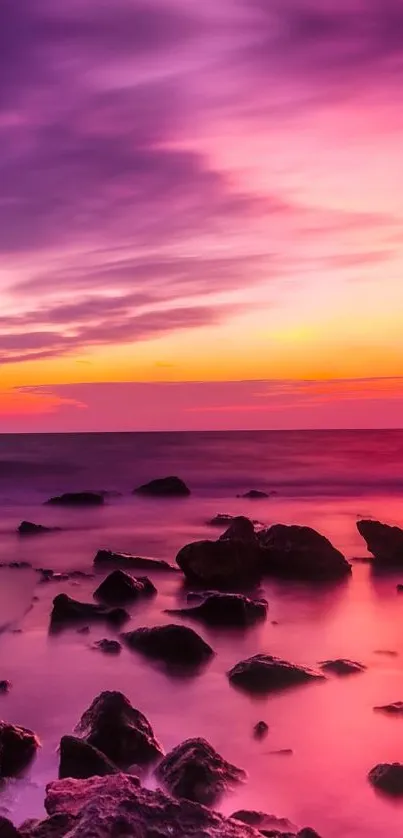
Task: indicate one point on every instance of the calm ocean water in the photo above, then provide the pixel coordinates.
(325, 479)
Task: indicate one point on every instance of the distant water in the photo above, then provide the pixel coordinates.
(324, 479)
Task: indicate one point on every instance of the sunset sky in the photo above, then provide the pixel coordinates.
(201, 214)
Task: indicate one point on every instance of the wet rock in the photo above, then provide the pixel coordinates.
(223, 564)
(109, 647)
(7, 829)
(18, 746)
(28, 528)
(119, 731)
(67, 610)
(195, 771)
(342, 666)
(164, 487)
(383, 541)
(266, 673)
(107, 558)
(219, 609)
(81, 760)
(388, 777)
(301, 553)
(173, 644)
(394, 709)
(119, 587)
(260, 730)
(254, 494)
(5, 687)
(266, 824)
(77, 499)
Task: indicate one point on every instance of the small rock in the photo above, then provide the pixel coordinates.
(389, 652)
(110, 647)
(5, 687)
(388, 777)
(260, 730)
(28, 528)
(282, 752)
(67, 610)
(266, 673)
(395, 709)
(220, 520)
(119, 588)
(254, 494)
(218, 609)
(383, 541)
(164, 487)
(173, 644)
(240, 529)
(77, 499)
(195, 771)
(81, 760)
(18, 746)
(342, 666)
(107, 558)
(266, 824)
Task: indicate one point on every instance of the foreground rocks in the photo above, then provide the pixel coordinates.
(167, 487)
(174, 645)
(301, 553)
(67, 610)
(107, 558)
(28, 528)
(266, 673)
(18, 746)
(220, 609)
(388, 777)
(119, 588)
(118, 730)
(384, 542)
(342, 666)
(195, 771)
(81, 760)
(394, 709)
(78, 499)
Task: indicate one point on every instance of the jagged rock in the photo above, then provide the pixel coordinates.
(77, 499)
(300, 553)
(28, 528)
(254, 494)
(18, 746)
(195, 771)
(173, 644)
(260, 730)
(395, 709)
(119, 731)
(164, 487)
(81, 760)
(269, 825)
(119, 587)
(107, 558)
(383, 541)
(266, 673)
(388, 777)
(219, 609)
(7, 829)
(5, 687)
(67, 610)
(109, 647)
(342, 666)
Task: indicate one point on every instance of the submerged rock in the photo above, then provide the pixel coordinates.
(342, 666)
(266, 824)
(221, 564)
(18, 746)
(109, 647)
(173, 644)
(28, 528)
(164, 487)
(266, 673)
(301, 553)
(260, 730)
(219, 609)
(81, 760)
(195, 771)
(119, 731)
(67, 610)
(222, 519)
(383, 541)
(388, 777)
(107, 558)
(78, 499)
(395, 709)
(254, 494)
(119, 587)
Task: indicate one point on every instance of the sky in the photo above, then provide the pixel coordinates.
(201, 214)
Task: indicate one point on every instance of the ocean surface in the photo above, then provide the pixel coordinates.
(324, 479)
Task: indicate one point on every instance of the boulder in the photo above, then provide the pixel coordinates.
(266, 824)
(109, 647)
(18, 746)
(224, 564)
(67, 610)
(28, 528)
(219, 609)
(77, 499)
(254, 494)
(300, 553)
(7, 829)
(342, 666)
(164, 487)
(395, 709)
(260, 730)
(266, 673)
(119, 731)
(107, 558)
(119, 588)
(388, 777)
(81, 760)
(195, 771)
(174, 645)
(384, 542)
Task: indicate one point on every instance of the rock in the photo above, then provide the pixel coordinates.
(109, 647)
(107, 558)
(254, 494)
(119, 731)
(395, 709)
(18, 746)
(5, 687)
(48, 575)
(77, 499)
(221, 564)
(388, 652)
(166, 487)
(266, 824)
(282, 752)
(388, 777)
(266, 673)
(119, 587)
(260, 730)
(81, 760)
(7, 829)
(17, 565)
(342, 666)
(384, 542)
(83, 630)
(220, 520)
(67, 610)
(218, 609)
(399, 589)
(195, 771)
(241, 529)
(173, 644)
(301, 553)
(28, 528)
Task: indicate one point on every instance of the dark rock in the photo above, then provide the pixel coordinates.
(395, 709)
(254, 494)
(308, 832)
(164, 487)
(388, 777)
(67, 610)
(220, 520)
(282, 752)
(266, 673)
(119, 587)
(17, 565)
(107, 558)
(399, 589)
(384, 542)
(81, 760)
(18, 746)
(119, 731)
(56, 826)
(28, 528)
(49, 575)
(175, 645)
(241, 529)
(221, 564)
(77, 499)
(7, 829)
(342, 666)
(300, 553)
(109, 647)
(260, 730)
(218, 609)
(388, 652)
(266, 824)
(5, 687)
(195, 771)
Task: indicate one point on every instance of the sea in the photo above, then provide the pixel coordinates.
(323, 739)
